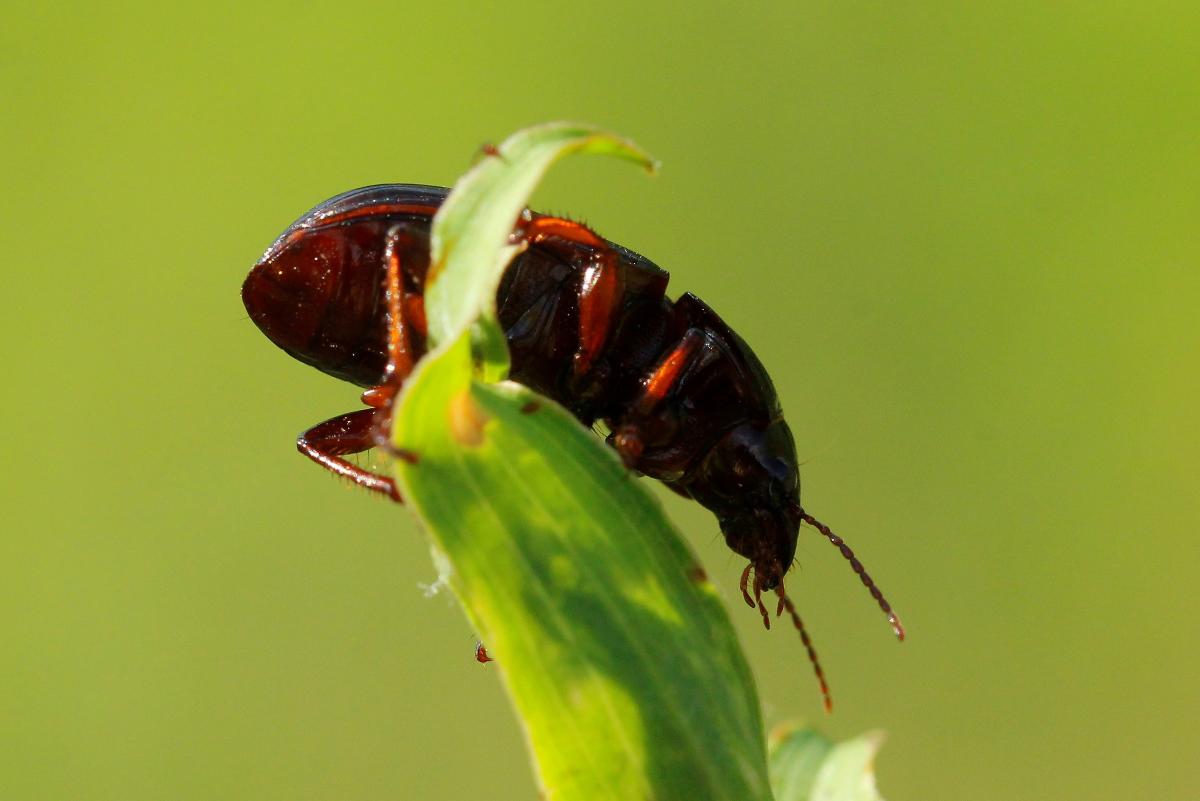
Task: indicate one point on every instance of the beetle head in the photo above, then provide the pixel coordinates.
(752, 484)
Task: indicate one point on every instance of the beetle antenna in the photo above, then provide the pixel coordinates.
(858, 568)
(786, 603)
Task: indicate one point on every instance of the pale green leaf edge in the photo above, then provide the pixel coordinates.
(470, 239)
(806, 766)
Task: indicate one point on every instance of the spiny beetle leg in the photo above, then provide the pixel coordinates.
(399, 346)
(360, 431)
(353, 432)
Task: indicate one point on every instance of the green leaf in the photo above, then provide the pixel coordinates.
(613, 646)
(806, 766)
(796, 756)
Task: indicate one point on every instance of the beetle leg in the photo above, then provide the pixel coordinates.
(668, 372)
(599, 293)
(399, 346)
(360, 431)
(326, 443)
(629, 438)
(628, 444)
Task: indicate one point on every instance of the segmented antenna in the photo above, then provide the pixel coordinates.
(786, 603)
(858, 568)
(756, 602)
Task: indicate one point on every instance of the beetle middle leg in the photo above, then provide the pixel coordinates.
(356, 432)
(630, 436)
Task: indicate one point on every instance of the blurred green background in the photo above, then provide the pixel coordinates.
(962, 236)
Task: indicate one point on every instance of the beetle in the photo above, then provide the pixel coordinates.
(588, 324)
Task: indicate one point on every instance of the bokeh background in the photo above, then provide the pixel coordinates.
(963, 237)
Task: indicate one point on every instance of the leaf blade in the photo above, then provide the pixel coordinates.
(807, 766)
(610, 643)
(614, 648)
(796, 755)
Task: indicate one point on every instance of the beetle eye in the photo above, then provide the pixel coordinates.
(778, 468)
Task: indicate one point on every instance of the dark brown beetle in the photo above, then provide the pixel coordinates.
(588, 324)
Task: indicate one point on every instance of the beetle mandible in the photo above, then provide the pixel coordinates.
(588, 324)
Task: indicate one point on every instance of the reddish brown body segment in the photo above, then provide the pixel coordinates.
(588, 324)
